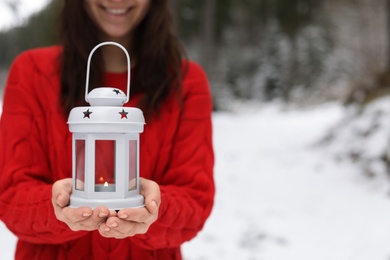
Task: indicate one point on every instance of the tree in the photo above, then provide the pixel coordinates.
(37, 31)
(208, 38)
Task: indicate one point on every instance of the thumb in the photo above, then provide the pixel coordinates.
(151, 206)
(151, 191)
(61, 191)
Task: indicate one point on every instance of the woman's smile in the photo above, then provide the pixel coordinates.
(116, 11)
(117, 19)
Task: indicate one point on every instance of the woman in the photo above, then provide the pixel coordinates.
(176, 147)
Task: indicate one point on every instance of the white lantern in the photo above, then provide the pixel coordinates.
(105, 149)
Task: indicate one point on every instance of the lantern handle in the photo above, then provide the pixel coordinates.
(128, 67)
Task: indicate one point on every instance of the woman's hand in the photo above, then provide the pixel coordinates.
(77, 219)
(133, 221)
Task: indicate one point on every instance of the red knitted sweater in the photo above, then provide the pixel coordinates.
(35, 151)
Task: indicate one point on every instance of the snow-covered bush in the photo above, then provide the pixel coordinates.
(363, 137)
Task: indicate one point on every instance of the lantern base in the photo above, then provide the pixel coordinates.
(112, 204)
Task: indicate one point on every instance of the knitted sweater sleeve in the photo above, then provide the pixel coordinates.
(25, 176)
(187, 185)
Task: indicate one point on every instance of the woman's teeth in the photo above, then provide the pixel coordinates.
(116, 11)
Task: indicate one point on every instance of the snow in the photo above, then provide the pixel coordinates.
(281, 195)
(25, 8)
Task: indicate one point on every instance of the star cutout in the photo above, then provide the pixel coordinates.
(116, 91)
(87, 114)
(123, 114)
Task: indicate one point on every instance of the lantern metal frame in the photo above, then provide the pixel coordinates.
(96, 122)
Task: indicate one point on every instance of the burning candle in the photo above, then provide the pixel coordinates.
(104, 187)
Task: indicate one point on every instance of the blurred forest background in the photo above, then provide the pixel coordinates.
(298, 52)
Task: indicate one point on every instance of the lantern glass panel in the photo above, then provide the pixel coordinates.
(80, 165)
(133, 165)
(105, 165)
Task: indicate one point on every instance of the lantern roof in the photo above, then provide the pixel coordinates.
(106, 114)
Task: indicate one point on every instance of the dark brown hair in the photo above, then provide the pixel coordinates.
(156, 47)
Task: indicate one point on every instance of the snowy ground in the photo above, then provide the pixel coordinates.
(280, 197)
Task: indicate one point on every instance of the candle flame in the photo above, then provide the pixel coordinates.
(101, 179)
(106, 184)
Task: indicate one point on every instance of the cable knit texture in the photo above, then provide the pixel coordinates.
(35, 151)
